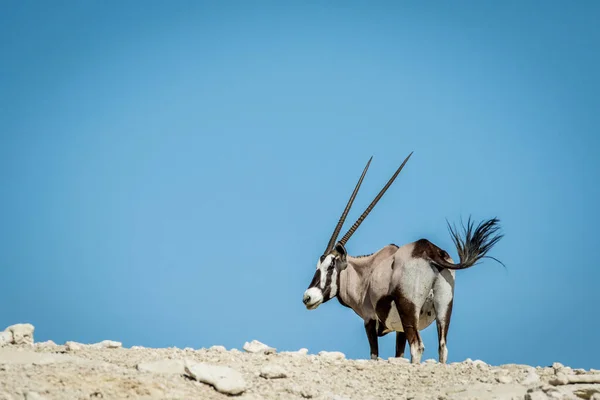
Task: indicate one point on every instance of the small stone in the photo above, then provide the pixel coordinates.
(560, 379)
(536, 395)
(167, 366)
(217, 348)
(257, 347)
(361, 364)
(557, 366)
(21, 333)
(300, 391)
(108, 344)
(137, 347)
(337, 397)
(188, 349)
(301, 352)
(224, 379)
(332, 355)
(273, 372)
(531, 379)
(430, 361)
(505, 379)
(398, 360)
(47, 343)
(6, 338)
(34, 396)
(74, 346)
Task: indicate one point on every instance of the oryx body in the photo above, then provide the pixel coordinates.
(397, 289)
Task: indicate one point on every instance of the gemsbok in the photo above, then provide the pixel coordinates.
(398, 289)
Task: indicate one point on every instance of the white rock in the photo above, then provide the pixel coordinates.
(108, 344)
(301, 352)
(217, 348)
(301, 392)
(273, 372)
(257, 347)
(47, 343)
(332, 355)
(338, 397)
(468, 361)
(531, 379)
(557, 365)
(34, 396)
(480, 363)
(505, 379)
(536, 395)
(73, 346)
(19, 356)
(22, 333)
(224, 379)
(6, 338)
(167, 366)
(188, 349)
(399, 360)
(430, 361)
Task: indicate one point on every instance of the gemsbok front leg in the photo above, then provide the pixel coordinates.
(400, 344)
(371, 329)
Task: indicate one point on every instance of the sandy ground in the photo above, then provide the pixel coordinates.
(108, 371)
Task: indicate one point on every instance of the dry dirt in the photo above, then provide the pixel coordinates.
(108, 371)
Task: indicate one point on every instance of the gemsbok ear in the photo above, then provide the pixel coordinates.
(341, 250)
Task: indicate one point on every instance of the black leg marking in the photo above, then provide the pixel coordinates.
(400, 344)
(383, 307)
(409, 316)
(371, 329)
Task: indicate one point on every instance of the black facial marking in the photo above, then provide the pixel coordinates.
(429, 313)
(316, 279)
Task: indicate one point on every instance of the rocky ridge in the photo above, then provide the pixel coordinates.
(38, 371)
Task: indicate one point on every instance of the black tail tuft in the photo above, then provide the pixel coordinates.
(475, 243)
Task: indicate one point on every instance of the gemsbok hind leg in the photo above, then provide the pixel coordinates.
(443, 289)
(409, 316)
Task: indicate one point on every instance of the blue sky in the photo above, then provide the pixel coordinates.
(171, 172)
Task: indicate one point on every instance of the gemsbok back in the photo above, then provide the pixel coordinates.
(398, 289)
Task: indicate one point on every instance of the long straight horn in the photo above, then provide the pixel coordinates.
(340, 223)
(373, 203)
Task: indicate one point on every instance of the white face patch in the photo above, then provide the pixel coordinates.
(333, 287)
(323, 266)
